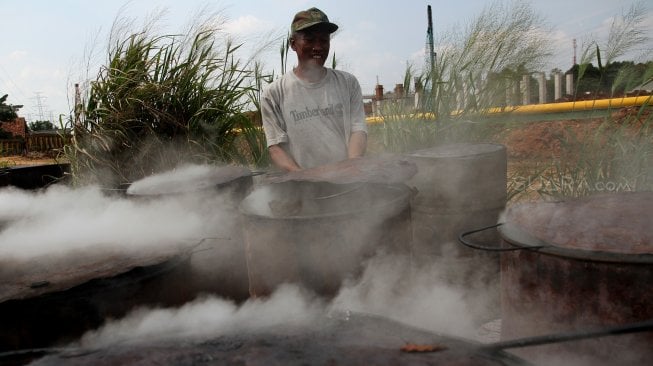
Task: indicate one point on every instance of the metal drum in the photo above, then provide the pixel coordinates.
(36, 176)
(459, 186)
(51, 300)
(319, 234)
(580, 264)
(218, 264)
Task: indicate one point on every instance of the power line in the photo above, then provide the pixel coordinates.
(10, 80)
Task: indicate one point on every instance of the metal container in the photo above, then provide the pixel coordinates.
(319, 234)
(192, 179)
(580, 264)
(4, 177)
(462, 175)
(55, 300)
(349, 339)
(459, 186)
(36, 176)
(218, 264)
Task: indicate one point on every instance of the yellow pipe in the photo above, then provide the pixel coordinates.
(581, 105)
(577, 106)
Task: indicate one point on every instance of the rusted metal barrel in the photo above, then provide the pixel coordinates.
(319, 234)
(459, 186)
(592, 267)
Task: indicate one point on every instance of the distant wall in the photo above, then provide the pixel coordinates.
(17, 127)
(33, 142)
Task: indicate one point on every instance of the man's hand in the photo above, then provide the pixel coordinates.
(282, 159)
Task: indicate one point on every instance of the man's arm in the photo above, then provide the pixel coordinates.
(357, 144)
(282, 159)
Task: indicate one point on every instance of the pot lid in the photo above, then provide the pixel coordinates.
(611, 223)
(458, 150)
(187, 178)
(383, 169)
(323, 200)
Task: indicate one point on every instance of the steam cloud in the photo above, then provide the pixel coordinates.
(208, 317)
(383, 290)
(63, 220)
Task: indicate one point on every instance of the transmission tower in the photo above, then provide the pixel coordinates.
(40, 105)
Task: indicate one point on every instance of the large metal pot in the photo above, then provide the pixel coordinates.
(579, 264)
(35, 176)
(319, 234)
(191, 179)
(218, 265)
(56, 299)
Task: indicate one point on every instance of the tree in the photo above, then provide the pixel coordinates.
(613, 79)
(41, 126)
(7, 111)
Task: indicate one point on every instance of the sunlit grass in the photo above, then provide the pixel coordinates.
(478, 68)
(164, 99)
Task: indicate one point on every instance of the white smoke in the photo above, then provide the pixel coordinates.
(62, 220)
(391, 287)
(385, 289)
(209, 317)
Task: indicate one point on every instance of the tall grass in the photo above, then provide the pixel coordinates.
(627, 33)
(474, 68)
(480, 67)
(618, 155)
(160, 100)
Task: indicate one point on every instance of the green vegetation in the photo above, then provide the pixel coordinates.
(472, 72)
(160, 100)
(41, 126)
(480, 67)
(7, 111)
(618, 155)
(165, 99)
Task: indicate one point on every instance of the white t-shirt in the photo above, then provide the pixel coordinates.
(313, 121)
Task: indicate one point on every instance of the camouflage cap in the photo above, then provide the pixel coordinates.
(311, 17)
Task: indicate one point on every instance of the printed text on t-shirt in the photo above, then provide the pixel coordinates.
(333, 110)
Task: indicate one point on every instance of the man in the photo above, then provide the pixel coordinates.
(313, 115)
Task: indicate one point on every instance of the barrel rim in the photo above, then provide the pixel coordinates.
(514, 235)
(245, 180)
(62, 166)
(496, 148)
(402, 188)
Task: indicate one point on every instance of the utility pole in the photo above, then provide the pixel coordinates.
(429, 35)
(574, 60)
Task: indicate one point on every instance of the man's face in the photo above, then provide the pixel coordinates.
(311, 46)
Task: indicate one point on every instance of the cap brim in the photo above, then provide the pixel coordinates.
(330, 27)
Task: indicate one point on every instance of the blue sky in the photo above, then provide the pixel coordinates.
(47, 46)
